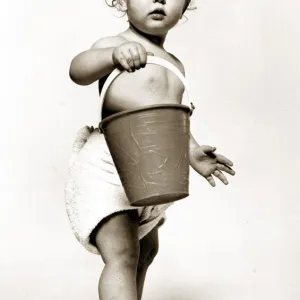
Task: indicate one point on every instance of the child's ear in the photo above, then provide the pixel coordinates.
(123, 5)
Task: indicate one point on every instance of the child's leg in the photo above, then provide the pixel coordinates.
(118, 244)
(148, 251)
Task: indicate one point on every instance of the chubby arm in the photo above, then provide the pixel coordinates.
(95, 63)
(203, 158)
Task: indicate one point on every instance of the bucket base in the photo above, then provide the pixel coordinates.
(159, 199)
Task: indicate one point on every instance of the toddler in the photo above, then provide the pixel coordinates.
(101, 216)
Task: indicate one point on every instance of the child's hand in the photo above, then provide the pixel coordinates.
(207, 163)
(130, 56)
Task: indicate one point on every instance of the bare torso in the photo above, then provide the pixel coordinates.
(146, 86)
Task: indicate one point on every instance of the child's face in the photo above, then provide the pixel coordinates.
(140, 14)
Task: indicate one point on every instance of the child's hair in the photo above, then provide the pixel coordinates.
(114, 3)
(118, 4)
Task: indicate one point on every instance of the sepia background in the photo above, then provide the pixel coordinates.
(235, 242)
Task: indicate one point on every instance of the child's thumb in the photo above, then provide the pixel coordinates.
(208, 149)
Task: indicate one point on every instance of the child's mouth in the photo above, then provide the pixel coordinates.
(158, 12)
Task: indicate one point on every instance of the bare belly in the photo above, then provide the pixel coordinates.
(148, 86)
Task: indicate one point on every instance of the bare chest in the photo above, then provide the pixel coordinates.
(147, 86)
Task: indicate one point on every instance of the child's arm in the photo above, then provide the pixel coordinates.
(193, 142)
(104, 56)
(204, 160)
(95, 63)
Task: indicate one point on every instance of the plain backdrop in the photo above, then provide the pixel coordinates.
(235, 242)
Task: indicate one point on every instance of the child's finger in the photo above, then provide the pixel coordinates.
(211, 181)
(143, 56)
(123, 63)
(225, 169)
(221, 176)
(129, 59)
(223, 160)
(208, 149)
(136, 58)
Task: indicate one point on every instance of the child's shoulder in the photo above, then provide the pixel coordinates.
(109, 41)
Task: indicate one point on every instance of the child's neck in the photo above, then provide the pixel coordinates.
(153, 39)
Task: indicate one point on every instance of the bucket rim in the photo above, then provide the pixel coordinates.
(130, 111)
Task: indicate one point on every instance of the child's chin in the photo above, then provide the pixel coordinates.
(156, 28)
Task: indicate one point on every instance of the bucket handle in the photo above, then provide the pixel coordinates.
(150, 60)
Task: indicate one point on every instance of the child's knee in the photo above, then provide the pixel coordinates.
(147, 258)
(122, 254)
(149, 247)
(126, 256)
(151, 255)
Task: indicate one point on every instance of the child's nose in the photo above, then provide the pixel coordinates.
(160, 1)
